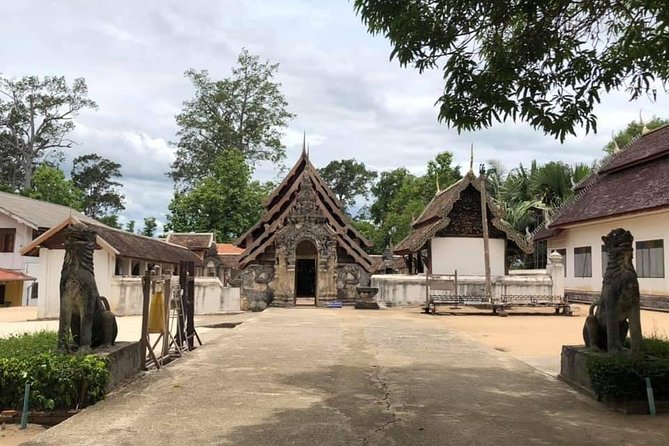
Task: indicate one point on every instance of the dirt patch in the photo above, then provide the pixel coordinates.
(11, 434)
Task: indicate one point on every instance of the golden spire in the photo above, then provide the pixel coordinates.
(644, 129)
(616, 148)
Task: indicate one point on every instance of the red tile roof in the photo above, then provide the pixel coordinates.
(224, 249)
(7, 275)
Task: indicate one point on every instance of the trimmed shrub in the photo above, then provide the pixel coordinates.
(621, 377)
(57, 380)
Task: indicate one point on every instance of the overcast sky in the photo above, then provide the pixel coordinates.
(349, 98)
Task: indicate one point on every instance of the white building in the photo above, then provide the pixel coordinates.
(448, 235)
(631, 191)
(120, 260)
(22, 219)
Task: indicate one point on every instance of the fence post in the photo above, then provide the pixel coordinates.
(555, 269)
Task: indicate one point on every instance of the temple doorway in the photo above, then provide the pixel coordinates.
(306, 275)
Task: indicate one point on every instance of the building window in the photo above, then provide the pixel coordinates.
(650, 259)
(563, 253)
(605, 259)
(583, 262)
(7, 240)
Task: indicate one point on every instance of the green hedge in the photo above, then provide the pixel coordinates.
(621, 377)
(57, 380)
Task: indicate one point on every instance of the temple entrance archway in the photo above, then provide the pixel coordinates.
(306, 273)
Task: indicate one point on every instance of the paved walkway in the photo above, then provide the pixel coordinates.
(347, 377)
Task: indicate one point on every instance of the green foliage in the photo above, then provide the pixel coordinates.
(110, 220)
(244, 112)
(36, 115)
(373, 233)
(49, 184)
(633, 129)
(150, 226)
(543, 62)
(226, 201)
(348, 179)
(400, 197)
(57, 380)
(94, 176)
(130, 226)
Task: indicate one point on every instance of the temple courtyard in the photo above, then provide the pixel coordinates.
(309, 376)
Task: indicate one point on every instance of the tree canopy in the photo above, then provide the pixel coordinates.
(246, 112)
(348, 179)
(94, 176)
(543, 62)
(226, 201)
(150, 226)
(49, 184)
(36, 116)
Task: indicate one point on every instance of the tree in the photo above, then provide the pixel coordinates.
(94, 176)
(544, 62)
(226, 201)
(110, 220)
(633, 129)
(348, 179)
(439, 170)
(245, 111)
(49, 184)
(150, 226)
(36, 115)
(130, 226)
(385, 190)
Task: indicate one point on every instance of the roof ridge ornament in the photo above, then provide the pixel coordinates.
(644, 128)
(304, 145)
(471, 158)
(616, 147)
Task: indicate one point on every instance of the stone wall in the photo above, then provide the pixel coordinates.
(350, 276)
(257, 283)
(648, 302)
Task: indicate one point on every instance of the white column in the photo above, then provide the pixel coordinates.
(555, 269)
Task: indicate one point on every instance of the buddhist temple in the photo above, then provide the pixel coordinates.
(303, 248)
(448, 235)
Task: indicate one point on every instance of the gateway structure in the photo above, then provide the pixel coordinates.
(304, 246)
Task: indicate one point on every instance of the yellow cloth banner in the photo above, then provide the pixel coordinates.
(157, 313)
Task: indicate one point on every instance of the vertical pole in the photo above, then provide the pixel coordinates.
(146, 292)
(26, 399)
(167, 295)
(190, 306)
(183, 284)
(486, 241)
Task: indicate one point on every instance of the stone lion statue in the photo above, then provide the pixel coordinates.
(617, 310)
(83, 312)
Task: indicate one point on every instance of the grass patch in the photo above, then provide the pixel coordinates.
(57, 380)
(621, 377)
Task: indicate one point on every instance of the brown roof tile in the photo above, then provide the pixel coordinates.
(649, 146)
(226, 249)
(191, 240)
(636, 188)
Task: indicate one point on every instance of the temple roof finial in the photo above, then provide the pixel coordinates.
(437, 180)
(304, 144)
(616, 148)
(471, 158)
(644, 128)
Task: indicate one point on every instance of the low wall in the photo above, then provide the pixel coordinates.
(212, 297)
(125, 361)
(658, 303)
(125, 297)
(407, 290)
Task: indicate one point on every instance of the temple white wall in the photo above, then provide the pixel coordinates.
(465, 254)
(14, 260)
(124, 293)
(649, 226)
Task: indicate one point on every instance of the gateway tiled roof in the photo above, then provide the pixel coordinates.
(7, 275)
(123, 243)
(191, 240)
(635, 180)
(36, 213)
(226, 249)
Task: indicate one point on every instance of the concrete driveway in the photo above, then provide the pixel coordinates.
(349, 377)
